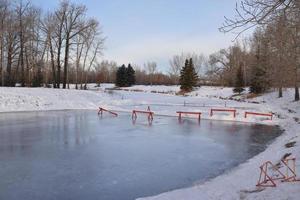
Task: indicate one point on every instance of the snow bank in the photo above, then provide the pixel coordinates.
(204, 91)
(34, 99)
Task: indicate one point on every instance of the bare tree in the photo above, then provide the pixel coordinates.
(35, 47)
(151, 68)
(33, 44)
(60, 16)
(96, 51)
(21, 10)
(79, 50)
(3, 14)
(176, 63)
(12, 48)
(74, 24)
(106, 71)
(225, 63)
(48, 26)
(250, 13)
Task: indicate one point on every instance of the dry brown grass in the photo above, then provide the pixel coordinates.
(252, 95)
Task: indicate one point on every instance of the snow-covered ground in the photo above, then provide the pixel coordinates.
(240, 182)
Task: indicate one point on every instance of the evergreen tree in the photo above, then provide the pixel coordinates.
(188, 76)
(37, 80)
(130, 75)
(183, 80)
(121, 77)
(192, 73)
(259, 81)
(239, 83)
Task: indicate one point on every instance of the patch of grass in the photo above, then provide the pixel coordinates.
(279, 116)
(278, 165)
(181, 93)
(291, 111)
(285, 156)
(290, 144)
(111, 92)
(252, 95)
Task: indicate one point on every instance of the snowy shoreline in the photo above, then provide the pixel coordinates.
(238, 183)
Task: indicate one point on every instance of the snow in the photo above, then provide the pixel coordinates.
(201, 92)
(238, 183)
(37, 99)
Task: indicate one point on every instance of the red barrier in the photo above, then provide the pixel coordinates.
(260, 114)
(290, 175)
(223, 110)
(149, 113)
(105, 110)
(188, 113)
(265, 178)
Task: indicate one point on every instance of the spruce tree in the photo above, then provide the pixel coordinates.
(37, 79)
(259, 81)
(188, 76)
(121, 77)
(239, 83)
(183, 80)
(193, 74)
(130, 75)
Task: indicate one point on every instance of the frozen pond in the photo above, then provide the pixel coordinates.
(74, 155)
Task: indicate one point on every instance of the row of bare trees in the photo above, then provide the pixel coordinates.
(147, 74)
(274, 47)
(37, 47)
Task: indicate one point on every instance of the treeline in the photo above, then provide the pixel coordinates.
(270, 58)
(148, 74)
(55, 48)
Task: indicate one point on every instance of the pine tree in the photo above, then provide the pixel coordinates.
(259, 81)
(130, 75)
(188, 76)
(239, 83)
(121, 77)
(183, 80)
(193, 73)
(37, 79)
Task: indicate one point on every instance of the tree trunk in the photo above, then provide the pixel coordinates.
(21, 55)
(81, 78)
(296, 85)
(2, 49)
(279, 92)
(68, 81)
(1, 61)
(77, 67)
(58, 69)
(27, 72)
(8, 67)
(22, 59)
(52, 64)
(58, 61)
(76, 79)
(297, 93)
(66, 62)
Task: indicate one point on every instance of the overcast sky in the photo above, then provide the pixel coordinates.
(138, 31)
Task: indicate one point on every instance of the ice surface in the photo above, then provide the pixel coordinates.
(79, 155)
